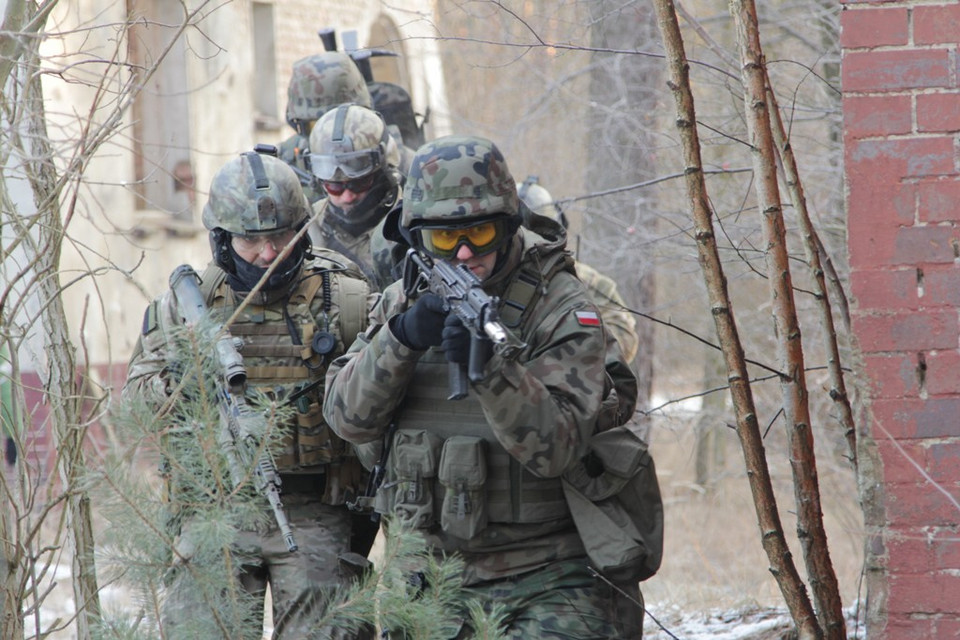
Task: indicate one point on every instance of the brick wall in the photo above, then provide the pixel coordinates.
(901, 102)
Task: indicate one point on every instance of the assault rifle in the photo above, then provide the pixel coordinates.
(463, 295)
(240, 424)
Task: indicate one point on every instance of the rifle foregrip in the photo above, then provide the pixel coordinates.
(458, 381)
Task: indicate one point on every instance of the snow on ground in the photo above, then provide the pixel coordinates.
(750, 623)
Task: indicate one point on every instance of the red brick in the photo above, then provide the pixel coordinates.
(896, 70)
(938, 112)
(892, 375)
(911, 461)
(924, 549)
(925, 245)
(865, 116)
(939, 199)
(927, 594)
(943, 373)
(920, 504)
(881, 201)
(941, 286)
(884, 288)
(906, 418)
(936, 24)
(879, 160)
(904, 627)
(917, 331)
(873, 27)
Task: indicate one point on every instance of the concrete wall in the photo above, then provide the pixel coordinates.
(901, 118)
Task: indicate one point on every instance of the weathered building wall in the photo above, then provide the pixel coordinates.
(204, 105)
(901, 117)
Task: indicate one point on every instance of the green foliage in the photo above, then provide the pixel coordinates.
(172, 465)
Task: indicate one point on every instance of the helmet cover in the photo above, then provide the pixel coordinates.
(255, 194)
(322, 81)
(454, 179)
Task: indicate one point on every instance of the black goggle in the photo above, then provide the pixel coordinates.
(359, 185)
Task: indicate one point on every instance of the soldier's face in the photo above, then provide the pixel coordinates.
(481, 266)
(261, 251)
(345, 195)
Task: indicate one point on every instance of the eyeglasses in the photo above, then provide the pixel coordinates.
(256, 244)
(359, 185)
(482, 238)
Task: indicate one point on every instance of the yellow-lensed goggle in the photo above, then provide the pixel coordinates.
(482, 238)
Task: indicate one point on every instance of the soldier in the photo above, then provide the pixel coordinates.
(356, 160)
(318, 83)
(481, 477)
(308, 311)
(602, 288)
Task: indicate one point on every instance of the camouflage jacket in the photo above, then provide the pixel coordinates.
(277, 362)
(526, 421)
(326, 233)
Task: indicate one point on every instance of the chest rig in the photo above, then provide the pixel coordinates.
(286, 348)
(446, 466)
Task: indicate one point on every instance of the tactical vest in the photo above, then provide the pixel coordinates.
(446, 467)
(281, 362)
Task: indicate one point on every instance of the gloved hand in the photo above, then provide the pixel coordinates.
(420, 326)
(456, 340)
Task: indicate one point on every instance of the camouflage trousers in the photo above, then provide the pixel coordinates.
(205, 603)
(563, 601)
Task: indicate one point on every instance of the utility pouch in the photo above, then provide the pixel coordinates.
(463, 474)
(408, 492)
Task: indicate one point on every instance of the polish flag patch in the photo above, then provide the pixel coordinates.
(588, 318)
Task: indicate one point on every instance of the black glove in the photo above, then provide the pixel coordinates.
(420, 326)
(456, 340)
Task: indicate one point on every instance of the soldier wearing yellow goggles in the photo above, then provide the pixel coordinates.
(482, 237)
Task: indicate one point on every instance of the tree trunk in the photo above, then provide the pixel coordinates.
(62, 388)
(796, 407)
(774, 542)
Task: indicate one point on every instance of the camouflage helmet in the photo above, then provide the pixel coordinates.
(454, 179)
(349, 142)
(255, 194)
(539, 200)
(322, 81)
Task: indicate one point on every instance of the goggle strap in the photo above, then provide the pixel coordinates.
(339, 122)
(259, 173)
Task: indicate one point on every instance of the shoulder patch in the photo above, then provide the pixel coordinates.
(587, 318)
(150, 320)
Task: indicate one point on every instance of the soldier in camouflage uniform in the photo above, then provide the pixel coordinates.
(616, 318)
(318, 83)
(480, 477)
(356, 160)
(308, 311)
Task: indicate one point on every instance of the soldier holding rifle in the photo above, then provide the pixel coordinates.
(291, 311)
(475, 467)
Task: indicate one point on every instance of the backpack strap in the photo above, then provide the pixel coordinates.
(527, 286)
(353, 308)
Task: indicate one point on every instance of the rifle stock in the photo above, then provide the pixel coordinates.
(463, 294)
(239, 423)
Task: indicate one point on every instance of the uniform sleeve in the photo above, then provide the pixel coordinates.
(543, 408)
(147, 371)
(365, 385)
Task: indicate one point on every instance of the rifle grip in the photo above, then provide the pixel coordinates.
(458, 381)
(479, 354)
